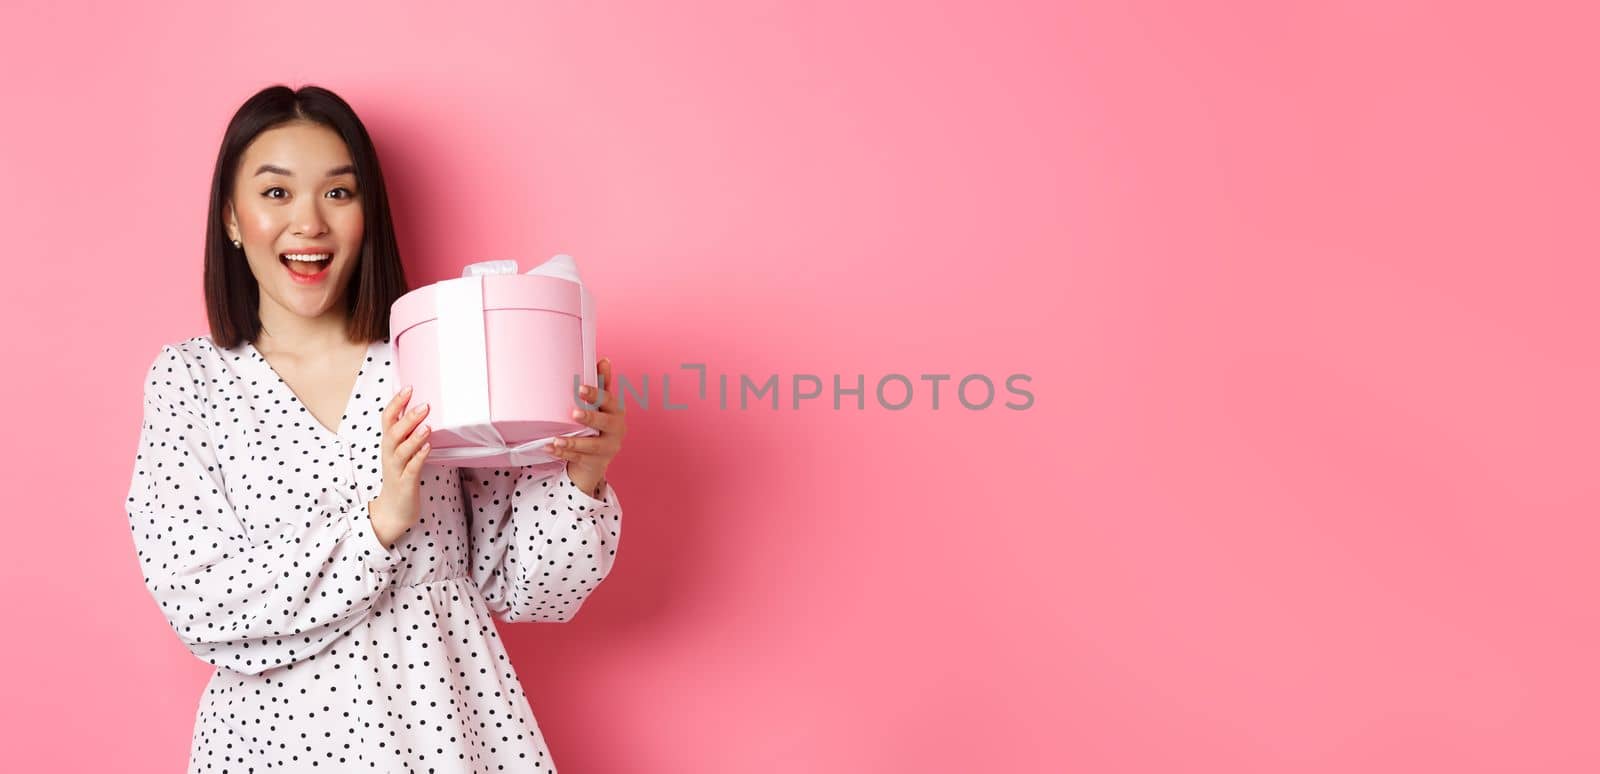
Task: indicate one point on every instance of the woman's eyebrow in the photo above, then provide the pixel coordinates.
(335, 172)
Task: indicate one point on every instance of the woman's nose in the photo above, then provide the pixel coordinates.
(308, 220)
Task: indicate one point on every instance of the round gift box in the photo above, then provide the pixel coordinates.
(534, 343)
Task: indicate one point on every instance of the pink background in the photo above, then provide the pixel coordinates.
(1306, 296)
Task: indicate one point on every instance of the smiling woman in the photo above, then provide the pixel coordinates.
(297, 177)
(284, 520)
(297, 211)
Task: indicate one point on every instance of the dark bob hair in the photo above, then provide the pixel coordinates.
(232, 294)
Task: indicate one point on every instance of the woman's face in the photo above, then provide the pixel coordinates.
(295, 191)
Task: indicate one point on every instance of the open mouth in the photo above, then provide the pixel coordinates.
(309, 266)
(306, 268)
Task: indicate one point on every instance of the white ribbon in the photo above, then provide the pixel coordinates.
(463, 351)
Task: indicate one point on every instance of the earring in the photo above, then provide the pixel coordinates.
(237, 243)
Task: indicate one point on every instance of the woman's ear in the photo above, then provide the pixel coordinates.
(230, 224)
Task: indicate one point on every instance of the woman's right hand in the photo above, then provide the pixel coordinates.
(405, 448)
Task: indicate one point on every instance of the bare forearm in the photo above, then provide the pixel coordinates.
(387, 531)
(588, 481)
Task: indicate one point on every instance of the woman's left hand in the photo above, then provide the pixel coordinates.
(587, 457)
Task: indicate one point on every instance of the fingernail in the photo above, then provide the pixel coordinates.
(406, 391)
(576, 414)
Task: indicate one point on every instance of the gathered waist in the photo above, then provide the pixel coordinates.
(445, 579)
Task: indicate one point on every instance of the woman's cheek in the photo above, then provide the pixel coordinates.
(259, 226)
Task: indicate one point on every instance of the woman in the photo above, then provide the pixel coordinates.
(285, 517)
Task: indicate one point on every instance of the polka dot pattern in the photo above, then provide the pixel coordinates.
(334, 652)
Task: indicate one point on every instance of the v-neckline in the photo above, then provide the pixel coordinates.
(349, 401)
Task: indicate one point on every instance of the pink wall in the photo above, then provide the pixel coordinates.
(1306, 296)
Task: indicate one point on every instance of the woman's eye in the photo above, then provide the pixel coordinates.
(347, 192)
(268, 193)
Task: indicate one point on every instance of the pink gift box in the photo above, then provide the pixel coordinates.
(498, 356)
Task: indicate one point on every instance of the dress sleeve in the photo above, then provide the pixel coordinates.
(242, 602)
(539, 543)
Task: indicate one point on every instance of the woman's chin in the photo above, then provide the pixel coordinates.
(307, 302)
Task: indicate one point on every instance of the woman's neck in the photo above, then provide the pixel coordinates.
(285, 331)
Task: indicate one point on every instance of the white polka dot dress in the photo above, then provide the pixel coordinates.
(334, 653)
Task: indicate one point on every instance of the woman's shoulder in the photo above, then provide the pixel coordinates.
(200, 349)
(189, 365)
(204, 344)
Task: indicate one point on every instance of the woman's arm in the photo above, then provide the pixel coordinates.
(539, 543)
(240, 602)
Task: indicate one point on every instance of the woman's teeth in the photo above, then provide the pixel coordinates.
(308, 264)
